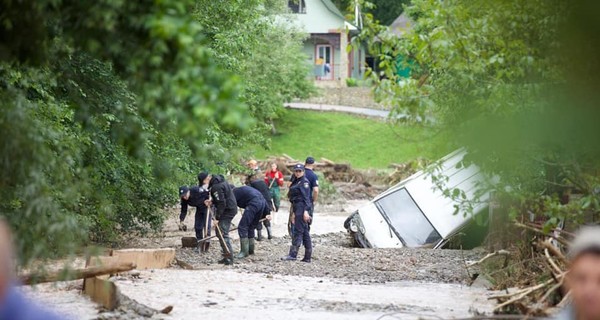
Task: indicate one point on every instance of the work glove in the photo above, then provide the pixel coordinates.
(182, 226)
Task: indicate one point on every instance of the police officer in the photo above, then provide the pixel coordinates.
(195, 197)
(299, 196)
(221, 195)
(255, 208)
(256, 181)
(313, 179)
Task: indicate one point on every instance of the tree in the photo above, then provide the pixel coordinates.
(106, 107)
(383, 11)
(257, 41)
(516, 83)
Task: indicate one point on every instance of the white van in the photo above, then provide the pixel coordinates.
(415, 213)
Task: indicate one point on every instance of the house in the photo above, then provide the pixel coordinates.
(329, 36)
(400, 27)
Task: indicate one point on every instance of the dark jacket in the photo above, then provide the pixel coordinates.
(222, 197)
(245, 196)
(299, 193)
(196, 199)
(262, 187)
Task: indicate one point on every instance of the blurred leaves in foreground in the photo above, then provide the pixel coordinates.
(516, 83)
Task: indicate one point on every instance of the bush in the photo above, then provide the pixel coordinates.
(351, 82)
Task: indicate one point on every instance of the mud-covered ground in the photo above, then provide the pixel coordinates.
(333, 258)
(341, 283)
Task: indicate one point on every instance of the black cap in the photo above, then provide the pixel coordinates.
(310, 160)
(183, 190)
(299, 167)
(201, 176)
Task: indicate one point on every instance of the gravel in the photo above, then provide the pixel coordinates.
(334, 258)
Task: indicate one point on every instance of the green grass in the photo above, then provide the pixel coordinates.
(362, 142)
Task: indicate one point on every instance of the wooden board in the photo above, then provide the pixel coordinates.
(101, 291)
(146, 258)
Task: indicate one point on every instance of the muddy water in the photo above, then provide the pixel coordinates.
(225, 294)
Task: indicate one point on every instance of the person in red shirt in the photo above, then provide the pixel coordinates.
(274, 179)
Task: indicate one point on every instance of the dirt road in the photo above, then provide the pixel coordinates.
(341, 283)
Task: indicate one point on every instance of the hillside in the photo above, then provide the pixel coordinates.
(364, 143)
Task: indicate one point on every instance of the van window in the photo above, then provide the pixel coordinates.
(407, 219)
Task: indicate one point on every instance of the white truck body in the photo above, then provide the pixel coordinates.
(415, 212)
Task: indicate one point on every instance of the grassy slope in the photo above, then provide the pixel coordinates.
(364, 143)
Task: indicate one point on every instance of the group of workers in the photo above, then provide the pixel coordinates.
(217, 203)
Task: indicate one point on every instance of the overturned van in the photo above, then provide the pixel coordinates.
(416, 213)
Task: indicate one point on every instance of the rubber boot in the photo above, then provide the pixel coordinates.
(206, 246)
(307, 255)
(251, 246)
(269, 233)
(244, 248)
(259, 236)
(292, 254)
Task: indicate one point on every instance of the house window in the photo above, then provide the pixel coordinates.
(297, 6)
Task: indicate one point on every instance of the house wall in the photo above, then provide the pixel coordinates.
(319, 19)
(340, 70)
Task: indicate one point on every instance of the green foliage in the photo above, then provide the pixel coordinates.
(365, 143)
(351, 82)
(327, 191)
(513, 81)
(256, 41)
(108, 105)
(384, 11)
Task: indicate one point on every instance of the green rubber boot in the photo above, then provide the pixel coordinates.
(244, 247)
(251, 246)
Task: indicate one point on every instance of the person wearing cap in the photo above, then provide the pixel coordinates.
(299, 196)
(195, 197)
(13, 303)
(256, 181)
(583, 276)
(309, 166)
(255, 208)
(222, 197)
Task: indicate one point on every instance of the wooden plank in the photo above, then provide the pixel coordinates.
(146, 258)
(101, 261)
(75, 274)
(102, 292)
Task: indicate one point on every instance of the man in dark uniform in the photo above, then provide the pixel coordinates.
(221, 195)
(313, 179)
(256, 181)
(255, 208)
(195, 197)
(299, 196)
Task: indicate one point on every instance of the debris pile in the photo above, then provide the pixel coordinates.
(334, 172)
(540, 296)
(405, 170)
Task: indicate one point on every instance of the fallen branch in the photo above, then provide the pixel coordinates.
(63, 275)
(516, 296)
(555, 252)
(530, 228)
(551, 290)
(552, 263)
(491, 255)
